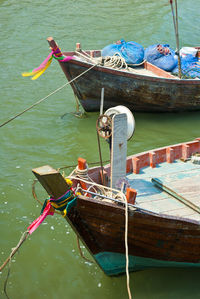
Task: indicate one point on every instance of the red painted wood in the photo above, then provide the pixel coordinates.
(136, 165)
(152, 158)
(129, 165)
(170, 155)
(131, 195)
(82, 163)
(185, 151)
(101, 227)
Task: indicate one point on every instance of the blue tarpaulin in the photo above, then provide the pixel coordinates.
(162, 56)
(132, 52)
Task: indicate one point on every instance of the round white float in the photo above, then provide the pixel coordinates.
(130, 118)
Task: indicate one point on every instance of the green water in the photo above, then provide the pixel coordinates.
(48, 264)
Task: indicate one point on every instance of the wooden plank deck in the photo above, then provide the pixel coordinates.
(182, 178)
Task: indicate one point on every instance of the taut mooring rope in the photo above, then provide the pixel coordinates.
(41, 100)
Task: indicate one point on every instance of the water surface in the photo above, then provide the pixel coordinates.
(49, 264)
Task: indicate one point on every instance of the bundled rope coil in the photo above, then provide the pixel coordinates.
(115, 61)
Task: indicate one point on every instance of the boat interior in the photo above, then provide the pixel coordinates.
(117, 62)
(169, 188)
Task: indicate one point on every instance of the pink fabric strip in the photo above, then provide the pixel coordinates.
(43, 63)
(40, 219)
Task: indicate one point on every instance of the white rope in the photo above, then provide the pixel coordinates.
(86, 56)
(118, 62)
(83, 174)
(126, 247)
(120, 194)
(71, 177)
(115, 61)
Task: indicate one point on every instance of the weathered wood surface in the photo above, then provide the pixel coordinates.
(118, 149)
(52, 181)
(186, 190)
(161, 236)
(149, 235)
(52, 43)
(189, 187)
(135, 91)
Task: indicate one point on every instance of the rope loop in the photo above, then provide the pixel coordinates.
(116, 61)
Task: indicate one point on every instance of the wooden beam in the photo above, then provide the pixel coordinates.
(52, 181)
(118, 149)
(52, 43)
(54, 47)
(182, 199)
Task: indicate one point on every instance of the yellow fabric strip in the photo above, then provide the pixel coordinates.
(42, 71)
(62, 204)
(38, 73)
(27, 74)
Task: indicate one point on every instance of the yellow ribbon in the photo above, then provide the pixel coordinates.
(38, 73)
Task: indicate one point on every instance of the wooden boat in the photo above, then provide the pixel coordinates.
(162, 203)
(141, 88)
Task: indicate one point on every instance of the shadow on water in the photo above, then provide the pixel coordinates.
(48, 264)
(166, 283)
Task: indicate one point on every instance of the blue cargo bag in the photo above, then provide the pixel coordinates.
(190, 67)
(132, 52)
(161, 56)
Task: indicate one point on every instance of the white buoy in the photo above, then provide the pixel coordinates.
(130, 118)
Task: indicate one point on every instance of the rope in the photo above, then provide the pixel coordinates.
(36, 198)
(86, 56)
(15, 249)
(119, 194)
(126, 247)
(26, 233)
(52, 93)
(100, 156)
(6, 281)
(71, 177)
(34, 193)
(81, 253)
(89, 163)
(116, 62)
(8, 260)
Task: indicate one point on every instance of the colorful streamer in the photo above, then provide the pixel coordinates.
(49, 210)
(37, 72)
(51, 204)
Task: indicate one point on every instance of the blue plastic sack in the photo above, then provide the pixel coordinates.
(162, 56)
(189, 67)
(132, 52)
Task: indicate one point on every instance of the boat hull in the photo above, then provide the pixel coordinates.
(135, 91)
(115, 263)
(153, 241)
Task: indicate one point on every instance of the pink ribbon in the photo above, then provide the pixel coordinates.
(47, 211)
(43, 64)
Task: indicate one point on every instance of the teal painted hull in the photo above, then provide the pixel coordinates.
(115, 263)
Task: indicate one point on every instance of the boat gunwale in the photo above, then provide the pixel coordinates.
(139, 210)
(117, 72)
(94, 170)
